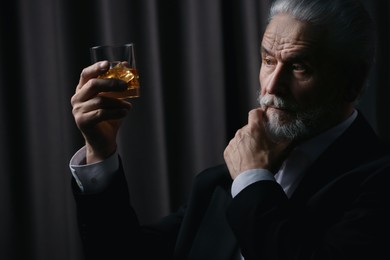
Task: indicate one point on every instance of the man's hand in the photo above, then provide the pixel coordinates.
(252, 149)
(98, 117)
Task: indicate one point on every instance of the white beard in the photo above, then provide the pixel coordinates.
(293, 122)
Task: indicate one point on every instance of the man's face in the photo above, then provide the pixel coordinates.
(301, 83)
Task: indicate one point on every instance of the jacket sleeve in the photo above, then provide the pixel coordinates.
(109, 227)
(347, 219)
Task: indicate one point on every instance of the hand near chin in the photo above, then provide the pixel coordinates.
(252, 149)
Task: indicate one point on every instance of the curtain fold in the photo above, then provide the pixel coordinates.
(198, 61)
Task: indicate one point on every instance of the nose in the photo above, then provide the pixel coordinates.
(274, 81)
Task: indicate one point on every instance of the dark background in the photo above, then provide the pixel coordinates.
(199, 63)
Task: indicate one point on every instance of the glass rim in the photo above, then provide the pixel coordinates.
(113, 46)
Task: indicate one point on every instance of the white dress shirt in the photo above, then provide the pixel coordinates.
(93, 178)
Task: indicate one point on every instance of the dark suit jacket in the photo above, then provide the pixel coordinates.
(338, 211)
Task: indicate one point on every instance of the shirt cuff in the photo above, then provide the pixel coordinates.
(95, 177)
(248, 177)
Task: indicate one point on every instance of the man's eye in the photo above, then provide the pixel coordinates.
(267, 61)
(299, 67)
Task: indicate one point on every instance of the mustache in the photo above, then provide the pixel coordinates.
(277, 102)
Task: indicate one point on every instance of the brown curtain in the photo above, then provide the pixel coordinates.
(199, 63)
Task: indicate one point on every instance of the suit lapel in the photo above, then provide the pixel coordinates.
(205, 233)
(215, 239)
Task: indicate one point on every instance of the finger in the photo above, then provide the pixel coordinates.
(97, 107)
(100, 115)
(87, 118)
(101, 102)
(92, 71)
(228, 160)
(95, 86)
(237, 137)
(255, 117)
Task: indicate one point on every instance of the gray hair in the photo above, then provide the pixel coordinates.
(348, 25)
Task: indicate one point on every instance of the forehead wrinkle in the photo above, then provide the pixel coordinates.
(285, 48)
(285, 37)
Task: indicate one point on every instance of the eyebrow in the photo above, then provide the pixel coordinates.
(291, 57)
(264, 50)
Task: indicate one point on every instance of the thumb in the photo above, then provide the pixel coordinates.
(255, 117)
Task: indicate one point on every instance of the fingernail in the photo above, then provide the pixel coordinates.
(103, 65)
